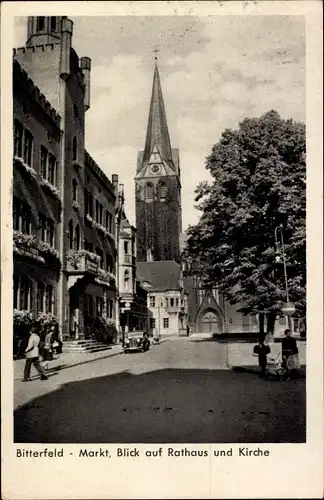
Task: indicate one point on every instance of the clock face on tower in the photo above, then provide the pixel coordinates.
(155, 169)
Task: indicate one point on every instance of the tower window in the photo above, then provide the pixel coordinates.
(75, 111)
(40, 23)
(162, 190)
(53, 23)
(149, 191)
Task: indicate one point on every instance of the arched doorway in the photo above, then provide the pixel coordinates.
(210, 323)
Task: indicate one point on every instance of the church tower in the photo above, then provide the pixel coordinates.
(158, 187)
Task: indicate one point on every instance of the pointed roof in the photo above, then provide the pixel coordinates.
(157, 129)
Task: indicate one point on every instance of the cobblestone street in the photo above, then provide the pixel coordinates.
(179, 391)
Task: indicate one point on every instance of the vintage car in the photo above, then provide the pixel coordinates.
(136, 341)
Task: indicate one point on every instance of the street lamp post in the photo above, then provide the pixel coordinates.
(288, 308)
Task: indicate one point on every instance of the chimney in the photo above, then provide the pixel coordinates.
(86, 68)
(66, 44)
(114, 179)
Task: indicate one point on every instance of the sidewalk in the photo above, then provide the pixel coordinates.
(25, 392)
(241, 354)
(67, 359)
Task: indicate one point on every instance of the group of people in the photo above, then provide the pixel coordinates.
(40, 348)
(289, 354)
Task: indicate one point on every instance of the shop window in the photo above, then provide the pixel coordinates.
(18, 138)
(110, 308)
(99, 306)
(165, 322)
(25, 298)
(40, 297)
(49, 299)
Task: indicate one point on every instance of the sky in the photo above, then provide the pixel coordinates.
(214, 70)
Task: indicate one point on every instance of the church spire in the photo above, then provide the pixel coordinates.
(157, 128)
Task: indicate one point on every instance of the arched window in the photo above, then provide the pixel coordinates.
(126, 280)
(74, 148)
(149, 191)
(77, 237)
(71, 233)
(162, 190)
(74, 190)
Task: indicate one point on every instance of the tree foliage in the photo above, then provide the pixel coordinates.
(259, 183)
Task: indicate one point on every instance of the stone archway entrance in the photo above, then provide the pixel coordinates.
(210, 323)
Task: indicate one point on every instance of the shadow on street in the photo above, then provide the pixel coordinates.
(167, 406)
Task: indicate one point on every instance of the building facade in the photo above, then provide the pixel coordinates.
(64, 206)
(36, 204)
(132, 296)
(167, 299)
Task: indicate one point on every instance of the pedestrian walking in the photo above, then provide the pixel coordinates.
(48, 347)
(32, 356)
(290, 353)
(262, 351)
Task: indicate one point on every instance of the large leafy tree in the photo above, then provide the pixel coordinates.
(259, 181)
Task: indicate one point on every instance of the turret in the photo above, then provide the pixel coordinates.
(66, 44)
(42, 30)
(86, 68)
